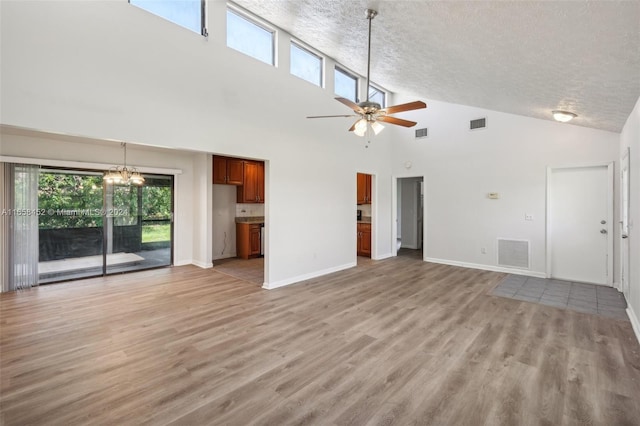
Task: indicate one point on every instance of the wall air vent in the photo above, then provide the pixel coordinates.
(479, 123)
(422, 133)
(513, 253)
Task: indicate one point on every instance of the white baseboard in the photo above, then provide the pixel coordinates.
(487, 267)
(183, 262)
(634, 322)
(383, 256)
(228, 256)
(203, 265)
(304, 277)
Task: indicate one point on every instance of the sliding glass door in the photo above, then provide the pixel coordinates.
(139, 230)
(90, 228)
(70, 225)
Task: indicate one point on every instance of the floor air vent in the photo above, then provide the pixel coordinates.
(513, 253)
(479, 123)
(422, 133)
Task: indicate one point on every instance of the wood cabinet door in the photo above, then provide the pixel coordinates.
(235, 171)
(228, 171)
(242, 240)
(248, 192)
(254, 240)
(364, 189)
(252, 190)
(364, 239)
(219, 169)
(260, 182)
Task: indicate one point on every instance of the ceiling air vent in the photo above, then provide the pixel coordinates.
(422, 133)
(479, 123)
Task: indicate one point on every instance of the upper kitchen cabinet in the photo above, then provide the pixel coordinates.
(228, 171)
(364, 189)
(252, 190)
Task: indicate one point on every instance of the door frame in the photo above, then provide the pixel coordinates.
(624, 223)
(610, 228)
(394, 214)
(374, 215)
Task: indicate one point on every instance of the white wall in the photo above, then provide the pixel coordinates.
(630, 138)
(510, 157)
(34, 145)
(152, 82)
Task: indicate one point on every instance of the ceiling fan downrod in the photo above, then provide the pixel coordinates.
(370, 13)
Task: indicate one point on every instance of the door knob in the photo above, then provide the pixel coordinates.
(603, 231)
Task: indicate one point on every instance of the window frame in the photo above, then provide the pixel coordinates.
(354, 76)
(203, 17)
(379, 90)
(255, 20)
(312, 52)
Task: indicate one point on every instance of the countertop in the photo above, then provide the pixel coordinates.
(365, 219)
(250, 219)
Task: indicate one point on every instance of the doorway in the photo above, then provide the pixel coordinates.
(579, 224)
(410, 216)
(364, 205)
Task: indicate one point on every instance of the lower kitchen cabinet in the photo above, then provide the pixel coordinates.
(248, 240)
(364, 239)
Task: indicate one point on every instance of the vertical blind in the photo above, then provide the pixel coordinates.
(19, 249)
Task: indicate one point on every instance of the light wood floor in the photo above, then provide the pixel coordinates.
(397, 341)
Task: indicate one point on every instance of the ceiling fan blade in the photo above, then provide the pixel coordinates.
(352, 128)
(354, 106)
(404, 107)
(397, 121)
(331, 116)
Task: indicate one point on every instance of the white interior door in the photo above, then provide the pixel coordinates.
(580, 224)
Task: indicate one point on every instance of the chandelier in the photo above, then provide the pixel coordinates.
(123, 175)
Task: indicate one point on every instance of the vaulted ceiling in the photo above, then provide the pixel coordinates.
(520, 57)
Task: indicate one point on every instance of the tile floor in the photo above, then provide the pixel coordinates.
(588, 298)
(251, 270)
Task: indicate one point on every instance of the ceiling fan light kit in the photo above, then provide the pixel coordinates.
(563, 116)
(371, 114)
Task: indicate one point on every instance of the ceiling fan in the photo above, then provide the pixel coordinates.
(371, 113)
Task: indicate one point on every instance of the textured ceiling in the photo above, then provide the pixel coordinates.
(520, 57)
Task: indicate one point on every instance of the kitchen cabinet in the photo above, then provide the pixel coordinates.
(364, 189)
(364, 239)
(228, 171)
(248, 240)
(252, 190)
